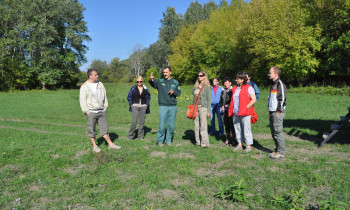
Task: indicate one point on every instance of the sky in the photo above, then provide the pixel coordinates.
(116, 26)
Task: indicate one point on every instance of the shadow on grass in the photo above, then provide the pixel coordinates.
(320, 126)
(189, 136)
(258, 146)
(101, 140)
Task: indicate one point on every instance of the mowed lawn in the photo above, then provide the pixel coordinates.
(46, 158)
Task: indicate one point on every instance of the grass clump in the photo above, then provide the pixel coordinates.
(235, 192)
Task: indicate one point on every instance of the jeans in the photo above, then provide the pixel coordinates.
(167, 115)
(215, 110)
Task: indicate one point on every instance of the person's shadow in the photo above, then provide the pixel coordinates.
(189, 136)
(260, 147)
(101, 140)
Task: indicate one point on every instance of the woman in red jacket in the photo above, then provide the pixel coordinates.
(242, 101)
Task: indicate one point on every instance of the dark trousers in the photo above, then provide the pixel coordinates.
(229, 129)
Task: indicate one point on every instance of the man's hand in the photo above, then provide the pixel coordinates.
(152, 77)
(87, 113)
(208, 115)
(171, 92)
(222, 108)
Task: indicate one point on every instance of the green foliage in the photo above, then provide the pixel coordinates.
(333, 204)
(235, 192)
(294, 201)
(41, 43)
(170, 25)
(154, 71)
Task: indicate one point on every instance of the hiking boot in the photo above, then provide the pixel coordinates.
(96, 149)
(277, 156)
(237, 148)
(248, 149)
(113, 146)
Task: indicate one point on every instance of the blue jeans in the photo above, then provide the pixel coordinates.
(167, 114)
(215, 110)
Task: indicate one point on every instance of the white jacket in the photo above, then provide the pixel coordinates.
(89, 101)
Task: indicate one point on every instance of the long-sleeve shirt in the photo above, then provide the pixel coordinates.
(277, 97)
(91, 100)
(163, 86)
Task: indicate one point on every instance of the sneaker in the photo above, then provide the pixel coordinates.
(161, 145)
(248, 149)
(96, 149)
(168, 144)
(271, 154)
(113, 146)
(237, 148)
(204, 146)
(277, 156)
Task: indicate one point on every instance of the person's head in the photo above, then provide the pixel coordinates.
(202, 79)
(249, 76)
(241, 78)
(139, 80)
(227, 83)
(274, 73)
(92, 75)
(167, 72)
(215, 81)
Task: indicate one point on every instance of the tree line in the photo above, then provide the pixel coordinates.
(41, 43)
(308, 39)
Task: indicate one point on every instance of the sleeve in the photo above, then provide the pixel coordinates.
(82, 99)
(154, 83)
(148, 97)
(257, 91)
(130, 96)
(221, 102)
(208, 91)
(105, 105)
(251, 91)
(177, 91)
(281, 96)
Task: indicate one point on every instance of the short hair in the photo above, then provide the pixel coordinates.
(216, 79)
(139, 77)
(242, 75)
(277, 70)
(89, 72)
(248, 74)
(226, 79)
(167, 67)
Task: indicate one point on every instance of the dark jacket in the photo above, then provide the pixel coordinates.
(134, 95)
(163, 86)
(277, 97)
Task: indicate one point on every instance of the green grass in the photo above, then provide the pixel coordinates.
(46, 158)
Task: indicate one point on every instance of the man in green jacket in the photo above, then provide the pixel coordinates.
(168, 90)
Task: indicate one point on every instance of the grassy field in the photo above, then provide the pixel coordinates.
(47, 159)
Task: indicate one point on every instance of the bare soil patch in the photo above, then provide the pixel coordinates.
(203, 172)
(55, 156)
(80, 153)
(177, 182)
(73, 170)
(158, 154)
(163, 194)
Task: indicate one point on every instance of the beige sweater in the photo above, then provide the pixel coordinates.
(90, 101)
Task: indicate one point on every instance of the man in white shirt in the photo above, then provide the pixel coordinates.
(93, 103)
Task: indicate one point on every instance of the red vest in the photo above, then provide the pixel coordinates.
(244, 100)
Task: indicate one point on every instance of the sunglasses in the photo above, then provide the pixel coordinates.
(139, 81)
(201, 75)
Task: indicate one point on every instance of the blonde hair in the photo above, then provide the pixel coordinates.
(139, 77)
(205, 82)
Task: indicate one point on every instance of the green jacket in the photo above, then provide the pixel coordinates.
(205, 98)
(163, 86)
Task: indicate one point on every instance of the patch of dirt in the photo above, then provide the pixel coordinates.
(55, 156)
(183, 155)
(80, 153)
(73, 170)
(11, 120)
(33, 187)
(177, 182)
(224, 172)
(158, 154)
(163, 194)
(274, 168)
(203, 172)
(146, 147)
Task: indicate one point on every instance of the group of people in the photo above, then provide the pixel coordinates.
(233, 106)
